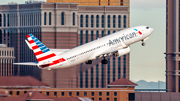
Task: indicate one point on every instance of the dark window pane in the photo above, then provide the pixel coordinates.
(55, 93)
(85, 93)
(97, 21)
(92, 20)
(47, 93)
(87, 20)
(74, 19)
(44, 18)
(10, 92)
(109, 21)
(102, 22)
(124, 21)
(17, 93)
(115, 93)
(100, 93)
(77, 93)
(92, 93)
(131, 96)
(114, 21)
(107, 93)
(81, 21)
(70, 93)
(49, 18)
(62, 93)
(62, 18)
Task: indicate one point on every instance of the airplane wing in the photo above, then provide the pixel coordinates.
(27, 63)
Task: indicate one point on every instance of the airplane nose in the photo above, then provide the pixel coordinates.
(151, 29)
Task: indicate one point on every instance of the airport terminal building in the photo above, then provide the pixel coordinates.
(64, 26)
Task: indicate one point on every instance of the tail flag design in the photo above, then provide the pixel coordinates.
(45, 57)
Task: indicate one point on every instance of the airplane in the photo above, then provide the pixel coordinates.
(116, 44)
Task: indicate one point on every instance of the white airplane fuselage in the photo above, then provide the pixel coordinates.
(102, 46)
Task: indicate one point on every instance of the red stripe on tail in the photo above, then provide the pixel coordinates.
(28, 36)
(38, 53)
(35, 47)
(46, 57)
(31, 41)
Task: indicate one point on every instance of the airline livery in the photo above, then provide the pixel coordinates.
(116, 44)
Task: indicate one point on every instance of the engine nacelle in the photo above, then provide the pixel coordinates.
(122, 52)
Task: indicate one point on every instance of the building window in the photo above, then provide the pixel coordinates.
(114, 31)
(92, 93)
(73, 19)
(62, 18)
(131, 96)
(107, 98)
(108, 72)
(92, 98)
(47, 93)
(87, 20)
(109, 32)
(44, 18)
(102, 21)
(115, 93)
(10, 92)
(92, 78)
(4, 20)
(92, 35)
(55, 93)
(62, 93)
(102, 76)
(0, 20)
(70, 93)
(86, 36)
(114, 21)
(8, 20)
(100, 93)
(0, 36)
(49, 18)
(109, 21)
(124, 66)
(25, 92)
(97, 75)
(97, 34)
(114, 68)
(92, 20)
(119, 67)
(81, 21)
(85, 93)
(81, 37)
(17, 93)
(97, 21)
(100, 98)
(115, 99)
(124, 21)
(102, 33)
(86, 81)
(77, 93)
(119, 21)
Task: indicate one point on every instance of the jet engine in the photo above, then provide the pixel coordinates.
(122, 52)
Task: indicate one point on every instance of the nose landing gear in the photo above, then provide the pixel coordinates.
(143, 44)
(89, 62)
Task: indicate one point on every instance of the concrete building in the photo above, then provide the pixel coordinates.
(65, 26)
(6, 60)
(172, 45)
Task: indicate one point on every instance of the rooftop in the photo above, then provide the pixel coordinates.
(21, 82)
(122, 82)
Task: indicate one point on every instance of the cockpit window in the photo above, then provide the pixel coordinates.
(147, 27)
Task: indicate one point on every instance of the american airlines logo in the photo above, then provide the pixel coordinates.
(123, 38)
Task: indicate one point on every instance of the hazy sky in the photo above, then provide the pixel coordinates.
(146, 62)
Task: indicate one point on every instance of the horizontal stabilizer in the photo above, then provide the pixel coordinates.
(27, 63)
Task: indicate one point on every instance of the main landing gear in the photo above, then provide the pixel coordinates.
(89, 62)
(104, 61)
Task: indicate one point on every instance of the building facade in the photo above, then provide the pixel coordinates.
(65, 26)
(95, 2)
(173, 45)
(6, 60)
